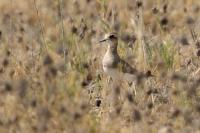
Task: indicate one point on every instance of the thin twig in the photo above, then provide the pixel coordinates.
(62, 30)
(11, 36)
(41, 27)
(193, 34)
(140, 34)
(11, 25)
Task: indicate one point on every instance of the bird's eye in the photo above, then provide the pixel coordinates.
(112, 37)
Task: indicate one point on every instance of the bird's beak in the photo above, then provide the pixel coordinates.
(103, 40)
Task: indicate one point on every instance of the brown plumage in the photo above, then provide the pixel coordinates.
(113, 65)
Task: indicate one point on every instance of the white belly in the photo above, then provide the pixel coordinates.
(109, 71)
(112, 72)
(116, 74)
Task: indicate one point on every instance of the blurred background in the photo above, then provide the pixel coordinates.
(51, 77)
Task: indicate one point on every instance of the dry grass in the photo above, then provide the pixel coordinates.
(51, 73)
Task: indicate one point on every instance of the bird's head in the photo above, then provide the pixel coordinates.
(111, 38)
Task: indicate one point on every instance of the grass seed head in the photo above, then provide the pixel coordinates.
(155, 10)
(139, 3)
(8, 87)
(98, 102)
(137, 115)
(48, 60)
(5, 62)
(130, 97)
(22, 88)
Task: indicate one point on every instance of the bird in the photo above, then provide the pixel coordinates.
(113, 65)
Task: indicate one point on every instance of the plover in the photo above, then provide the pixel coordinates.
(113, 65)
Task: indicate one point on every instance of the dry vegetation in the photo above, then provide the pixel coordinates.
(51, 73)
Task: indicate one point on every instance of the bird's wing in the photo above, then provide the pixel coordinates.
(127, 68)
(131, 73)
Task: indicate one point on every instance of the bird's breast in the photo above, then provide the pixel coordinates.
(110, 63)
